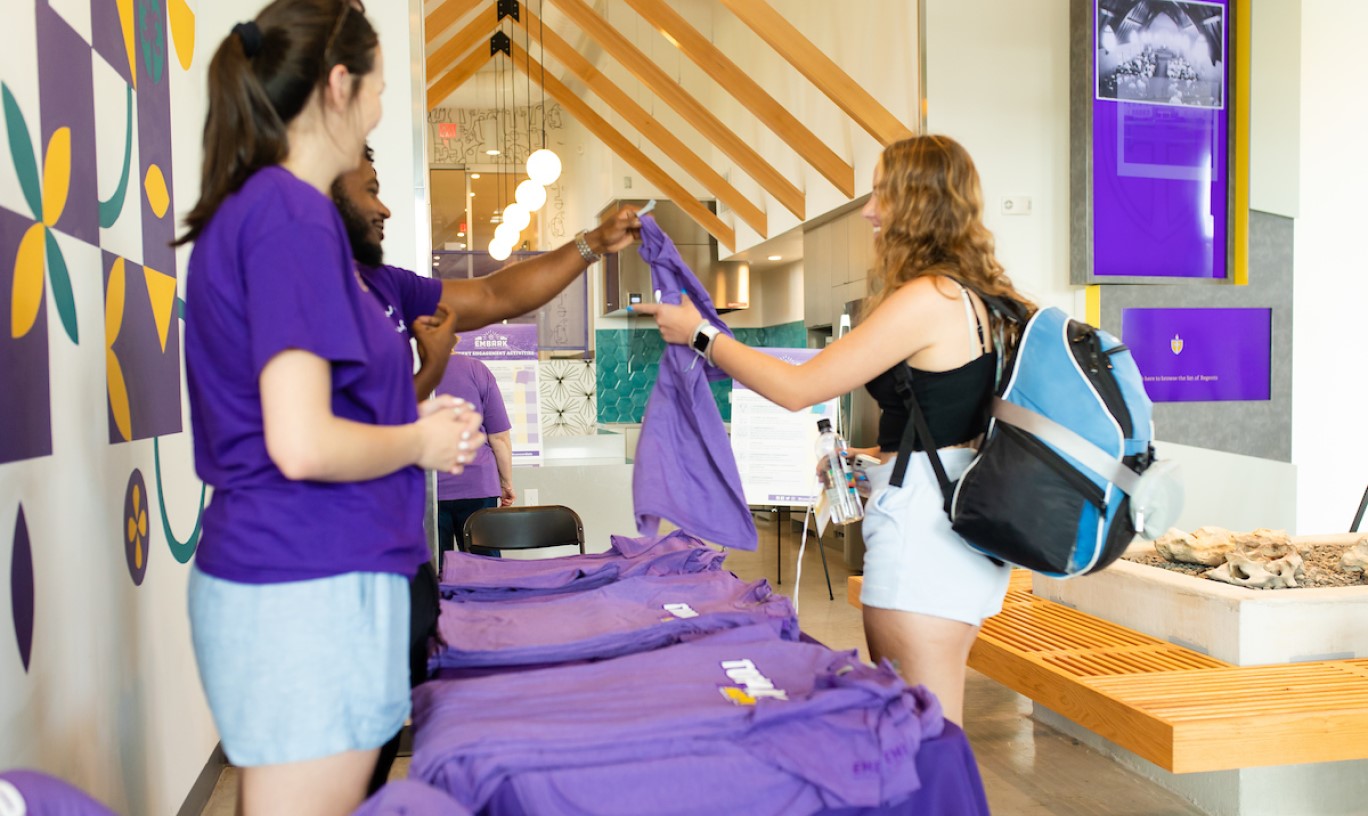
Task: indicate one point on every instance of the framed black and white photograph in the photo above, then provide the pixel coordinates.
(1161, 52)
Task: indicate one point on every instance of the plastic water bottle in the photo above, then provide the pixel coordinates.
(838, 480)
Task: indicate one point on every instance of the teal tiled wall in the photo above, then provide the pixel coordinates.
(628, 360)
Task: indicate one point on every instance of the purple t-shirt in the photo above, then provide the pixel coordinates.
(624, 617)
(43, 795)
(685, 471)
(481, 578)
(272, 271)
(404, 295)
(831, 730)
(472, 381)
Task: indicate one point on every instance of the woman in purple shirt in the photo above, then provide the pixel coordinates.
(304, 422)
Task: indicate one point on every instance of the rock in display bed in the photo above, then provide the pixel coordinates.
(1261, 559)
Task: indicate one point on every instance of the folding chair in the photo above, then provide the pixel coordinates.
(524, 528)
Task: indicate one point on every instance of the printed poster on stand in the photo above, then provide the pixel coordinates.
(510, 352)
(775, 448)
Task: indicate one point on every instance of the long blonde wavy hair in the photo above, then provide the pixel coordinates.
(931, 207)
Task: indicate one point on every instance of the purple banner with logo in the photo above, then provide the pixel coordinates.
(1159, 140)
(1201, 355)
(502, 341)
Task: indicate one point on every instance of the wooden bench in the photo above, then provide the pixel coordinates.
(1181, 710)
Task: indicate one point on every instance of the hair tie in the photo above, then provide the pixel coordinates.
(250, 34)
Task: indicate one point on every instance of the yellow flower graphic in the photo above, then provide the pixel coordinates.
(137, 527)
(38, 249)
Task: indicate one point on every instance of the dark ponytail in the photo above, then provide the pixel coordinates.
(253, 99)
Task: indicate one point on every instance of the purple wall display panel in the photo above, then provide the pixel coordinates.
(1160, 140)
(1201, 355)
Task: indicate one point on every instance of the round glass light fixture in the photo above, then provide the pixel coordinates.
(518, 216)
(506, 233)
(500, 251)
(543, 167)
(530, 194)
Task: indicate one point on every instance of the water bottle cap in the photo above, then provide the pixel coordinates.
(823, 425)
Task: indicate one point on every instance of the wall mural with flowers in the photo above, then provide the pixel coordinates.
(87, 217)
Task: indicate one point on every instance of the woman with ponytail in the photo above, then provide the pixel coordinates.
(925, 591)
(304, 422)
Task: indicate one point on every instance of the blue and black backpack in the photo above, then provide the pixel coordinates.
(1066, 475)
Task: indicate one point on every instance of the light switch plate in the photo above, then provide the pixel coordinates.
(1016, 205)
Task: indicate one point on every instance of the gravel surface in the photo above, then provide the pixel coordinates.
(1321, 565)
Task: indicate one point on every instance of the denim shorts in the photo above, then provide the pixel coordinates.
(304, 669)
(914, 561)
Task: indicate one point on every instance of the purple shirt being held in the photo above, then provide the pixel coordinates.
(272, 272)
(472, 381)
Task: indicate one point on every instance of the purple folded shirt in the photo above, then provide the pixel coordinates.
(406, 797)
(478, 577)
(684, 468)
(625, 617)
(42, 795)
(806, 724)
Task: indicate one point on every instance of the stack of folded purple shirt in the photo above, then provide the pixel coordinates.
(479, 577)
(739, 721)
(630, 615)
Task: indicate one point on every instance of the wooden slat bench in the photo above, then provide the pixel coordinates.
(1181, 710)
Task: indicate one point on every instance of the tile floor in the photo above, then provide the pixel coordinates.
(1028, 769)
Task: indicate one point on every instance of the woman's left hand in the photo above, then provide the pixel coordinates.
(677, 323)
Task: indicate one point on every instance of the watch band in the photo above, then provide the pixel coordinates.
(704, 335)
(588, 254)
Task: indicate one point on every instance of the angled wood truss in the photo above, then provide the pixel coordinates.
(461, 54)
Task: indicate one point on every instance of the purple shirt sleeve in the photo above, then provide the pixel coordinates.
(495, 413)
(418, 296)
(291, 307)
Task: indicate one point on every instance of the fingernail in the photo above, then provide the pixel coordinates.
(465, 434)
(630, 310)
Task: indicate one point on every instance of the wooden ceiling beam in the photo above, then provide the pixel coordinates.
(475, 33)
(820, 70)
(748, 92)
(647, 125)
(669, 91)
(445, 15)
(456, 76)
(625, 150)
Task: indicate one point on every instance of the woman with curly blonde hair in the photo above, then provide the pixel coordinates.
(925, 591)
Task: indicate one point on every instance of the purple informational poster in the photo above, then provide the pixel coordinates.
(1160, 154)
(1201, 355)
(509, 351)
(511, 341)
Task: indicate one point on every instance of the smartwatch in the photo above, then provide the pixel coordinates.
(703, 337)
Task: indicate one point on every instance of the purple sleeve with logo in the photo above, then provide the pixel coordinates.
(42, 795)
(624, 617)
(685, 471)
(849, 731)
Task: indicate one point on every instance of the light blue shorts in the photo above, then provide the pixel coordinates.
(914, 561)
(304, 669)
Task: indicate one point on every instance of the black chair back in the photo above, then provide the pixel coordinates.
(524, 528)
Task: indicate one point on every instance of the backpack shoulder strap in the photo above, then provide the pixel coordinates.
(915, 429)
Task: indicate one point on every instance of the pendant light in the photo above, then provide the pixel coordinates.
(543, 166)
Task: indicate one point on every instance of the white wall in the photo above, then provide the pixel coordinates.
(1329, 388)
(997, 82)
(111, 698)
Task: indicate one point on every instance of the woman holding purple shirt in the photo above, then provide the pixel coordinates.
(304, 422)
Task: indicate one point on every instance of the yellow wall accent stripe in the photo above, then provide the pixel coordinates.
(1093, 305)
(1239, 168)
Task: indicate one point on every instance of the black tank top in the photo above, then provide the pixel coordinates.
(955, 402)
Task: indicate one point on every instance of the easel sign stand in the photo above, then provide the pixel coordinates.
(774, 450)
